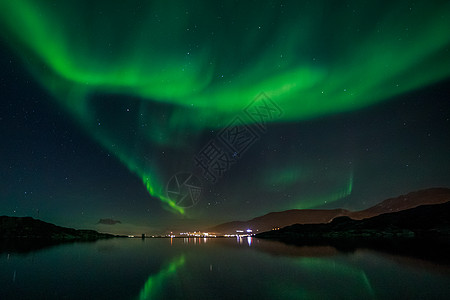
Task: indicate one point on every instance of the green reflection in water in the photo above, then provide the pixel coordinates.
(153, 285)
(349, 281)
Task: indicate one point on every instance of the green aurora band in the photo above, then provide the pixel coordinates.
(206, 60)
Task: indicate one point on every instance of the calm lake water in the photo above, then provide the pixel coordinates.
(245, 268)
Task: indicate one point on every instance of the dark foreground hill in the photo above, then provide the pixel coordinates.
(14, 228)
(427, 221)
(410, 200)
(317, 216)
(281, 219)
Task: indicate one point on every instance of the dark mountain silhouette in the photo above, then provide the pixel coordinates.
(317, 216)
(28, 228)
(281, 219)
(411, 200)
(426, 221)
(418, 236)
(422, 232)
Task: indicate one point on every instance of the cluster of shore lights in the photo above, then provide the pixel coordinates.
(241, 233)
(197, 234)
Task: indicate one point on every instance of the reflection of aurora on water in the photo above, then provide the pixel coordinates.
(322, 268)
(313, 278)
(155, 284)
(182, 70)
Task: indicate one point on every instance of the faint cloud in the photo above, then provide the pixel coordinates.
(109, 222)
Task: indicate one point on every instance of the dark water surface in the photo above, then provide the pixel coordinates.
(246, 268)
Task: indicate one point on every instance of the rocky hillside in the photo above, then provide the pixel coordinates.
(29, 228)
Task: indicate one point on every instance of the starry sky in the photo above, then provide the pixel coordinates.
(157, 115)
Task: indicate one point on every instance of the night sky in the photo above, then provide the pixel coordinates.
(256, 106)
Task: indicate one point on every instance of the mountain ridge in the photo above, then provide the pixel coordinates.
(30, 228)
(425, 221)
(276, 220)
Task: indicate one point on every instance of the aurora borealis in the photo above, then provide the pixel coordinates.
(124, 95)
